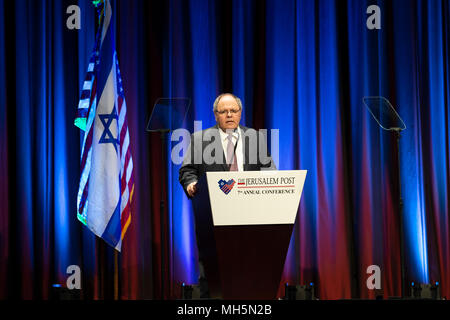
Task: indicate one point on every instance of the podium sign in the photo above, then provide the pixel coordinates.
(255, 197)
(244, 222)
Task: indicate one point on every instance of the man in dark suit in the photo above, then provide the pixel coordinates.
(225, 147)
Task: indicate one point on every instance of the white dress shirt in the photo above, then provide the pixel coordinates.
(237, 138)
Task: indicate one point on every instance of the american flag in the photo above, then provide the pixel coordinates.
(226, 186)
(106, 183)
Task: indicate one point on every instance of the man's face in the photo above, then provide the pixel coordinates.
(228, 113)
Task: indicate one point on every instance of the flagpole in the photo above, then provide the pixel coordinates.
(116, 275)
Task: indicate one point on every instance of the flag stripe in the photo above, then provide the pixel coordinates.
(106, 61)
(83, 197)
(124, 179)
(125, 143)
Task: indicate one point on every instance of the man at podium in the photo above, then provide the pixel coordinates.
(227, 146)
(240, 148)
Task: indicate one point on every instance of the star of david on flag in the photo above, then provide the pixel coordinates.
(106, 182)
(107, 136)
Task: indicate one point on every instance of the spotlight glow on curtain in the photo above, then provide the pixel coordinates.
(301, 66)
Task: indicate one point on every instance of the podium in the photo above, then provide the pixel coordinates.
(243, 223)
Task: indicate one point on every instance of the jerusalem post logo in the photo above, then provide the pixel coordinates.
(226, 186)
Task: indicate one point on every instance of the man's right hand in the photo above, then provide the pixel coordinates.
(192, 189)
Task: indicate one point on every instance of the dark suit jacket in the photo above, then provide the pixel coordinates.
(253, 144)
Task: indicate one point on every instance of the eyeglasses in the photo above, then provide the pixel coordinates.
(232, 111)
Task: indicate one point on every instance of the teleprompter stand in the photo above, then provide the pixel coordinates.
(168, 114)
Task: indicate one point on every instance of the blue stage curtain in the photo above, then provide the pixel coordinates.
(4, 185)
(40, 83)
(300, 66)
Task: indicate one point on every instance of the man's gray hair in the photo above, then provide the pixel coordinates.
(216, 102)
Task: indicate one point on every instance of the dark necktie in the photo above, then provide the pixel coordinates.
(230, 153)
